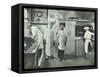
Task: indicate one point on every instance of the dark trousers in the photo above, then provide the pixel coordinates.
(61, 54)
(38, 55)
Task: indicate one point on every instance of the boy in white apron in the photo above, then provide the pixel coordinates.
(62, 39)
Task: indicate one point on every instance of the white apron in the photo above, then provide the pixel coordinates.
(62, 39)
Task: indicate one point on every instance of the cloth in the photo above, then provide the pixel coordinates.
(61, 39)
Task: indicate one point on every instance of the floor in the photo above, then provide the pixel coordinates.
(70, 61)
(54, 62)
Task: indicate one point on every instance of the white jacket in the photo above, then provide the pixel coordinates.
(38, 36)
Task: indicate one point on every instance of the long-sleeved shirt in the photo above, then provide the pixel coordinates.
(88, 35)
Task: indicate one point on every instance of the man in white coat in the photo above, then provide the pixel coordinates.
(87, 37)
(49, 38)
(38, 37)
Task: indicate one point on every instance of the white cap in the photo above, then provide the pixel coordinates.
(86, 28)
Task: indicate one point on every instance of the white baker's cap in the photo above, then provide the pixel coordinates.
(86, 28)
